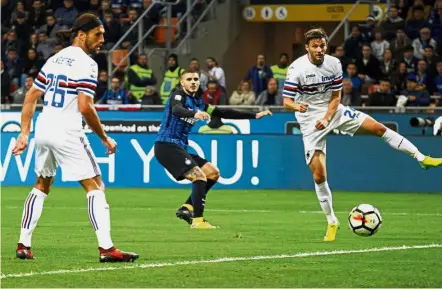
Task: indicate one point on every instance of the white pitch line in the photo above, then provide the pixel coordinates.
(219, 260)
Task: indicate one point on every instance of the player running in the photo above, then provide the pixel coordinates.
(68, 81)
(183, 108)
(313, 90)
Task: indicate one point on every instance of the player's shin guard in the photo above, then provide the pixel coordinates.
(325, 200)
(99, 216)
(402, 144)
(210, 184)
(32, 210)
(198, 197)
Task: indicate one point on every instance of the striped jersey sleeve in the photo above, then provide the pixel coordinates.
(86, 81)
(41, 82)
(337, 80)
(291, 83)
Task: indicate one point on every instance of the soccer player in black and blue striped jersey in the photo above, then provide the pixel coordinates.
(183, 108)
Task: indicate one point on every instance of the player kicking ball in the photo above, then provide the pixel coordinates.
(313, 91)
(68, 81)
(183, 108)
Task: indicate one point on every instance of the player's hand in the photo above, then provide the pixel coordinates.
(263, 113)
(201, 115)
(301, 107)
(321, 123)
(412, 97)
(20, 145)
(110, 144)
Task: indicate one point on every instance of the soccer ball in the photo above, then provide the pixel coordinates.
(365, 220)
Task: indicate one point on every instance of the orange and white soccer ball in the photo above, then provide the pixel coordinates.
(365, 220)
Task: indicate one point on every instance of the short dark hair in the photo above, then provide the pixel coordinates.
(85, 22)
(429, 46)
(189, 70)
(366, 45)
(417, 8)
(212, 81)
(408, 48)
(212, 59)
(384, 80)
(315, 33)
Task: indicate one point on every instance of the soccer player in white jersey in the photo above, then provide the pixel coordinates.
(313, 91)
(68, 81)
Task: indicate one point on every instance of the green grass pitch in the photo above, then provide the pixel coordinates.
(253, 223)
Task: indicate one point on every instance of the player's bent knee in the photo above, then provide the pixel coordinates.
(319, 177)
(380, 129)
(44, 184)
(213, 173)
(89, 185)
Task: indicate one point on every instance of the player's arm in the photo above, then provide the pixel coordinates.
(27, 113)
(335, 99)
(235, 114)
(87, 110)
(290, 104)
(179, 110)
(291, 90)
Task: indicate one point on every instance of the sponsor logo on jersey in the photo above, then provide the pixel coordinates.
(178, 97)
(327, 78)
(310, 75)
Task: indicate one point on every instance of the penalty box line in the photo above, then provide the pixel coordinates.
(219, 260)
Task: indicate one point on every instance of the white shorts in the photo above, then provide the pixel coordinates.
(65, 148)
(346, 120)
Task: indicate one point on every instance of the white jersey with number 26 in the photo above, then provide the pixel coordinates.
(312, 84)
(63, 76)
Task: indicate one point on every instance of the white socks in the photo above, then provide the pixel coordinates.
(31, 214)
(402, 144)
(325, 200)
(99, 215)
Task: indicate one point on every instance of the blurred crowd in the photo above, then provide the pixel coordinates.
(392, 62)
(396, 62)
(28, 29)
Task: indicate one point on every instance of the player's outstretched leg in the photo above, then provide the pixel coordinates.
(185, 212)
(318, 169)
(199, 185)
(32, 210)
(398, 142)
(99, 216)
